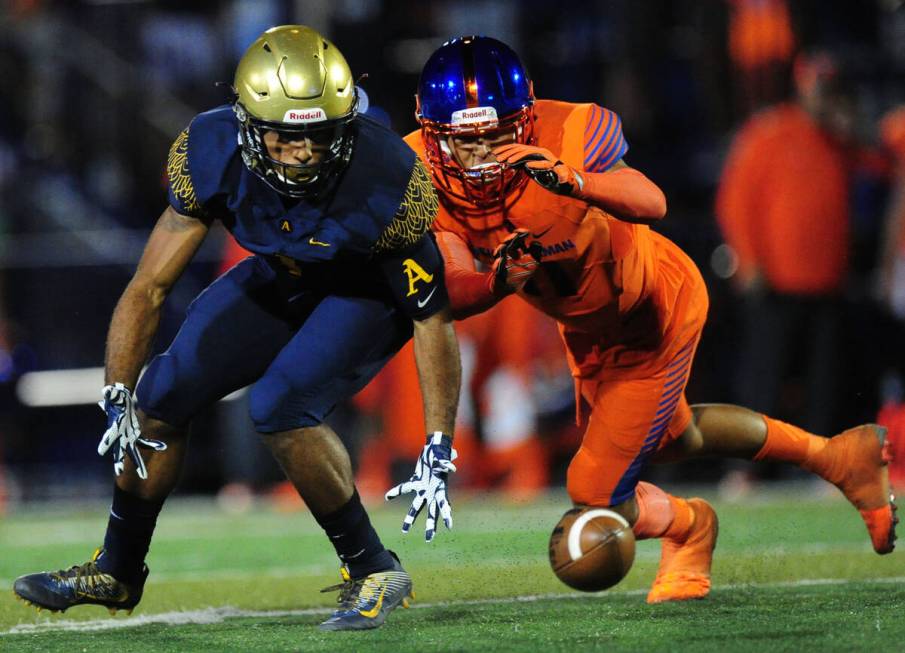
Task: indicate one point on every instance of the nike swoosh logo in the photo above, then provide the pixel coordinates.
(313, 241)
(543, 232)
(423, 302)
(373, 612)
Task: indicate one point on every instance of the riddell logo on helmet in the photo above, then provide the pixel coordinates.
(305, 115)
(470, 116)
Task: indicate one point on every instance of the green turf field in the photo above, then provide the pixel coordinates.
(788, 576)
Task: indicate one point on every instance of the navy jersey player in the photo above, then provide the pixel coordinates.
(337, 210)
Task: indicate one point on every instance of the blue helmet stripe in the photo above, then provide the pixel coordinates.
(469, 80)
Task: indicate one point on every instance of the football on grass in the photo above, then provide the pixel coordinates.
(592, 549)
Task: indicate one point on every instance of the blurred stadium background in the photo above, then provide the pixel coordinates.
(94, 91)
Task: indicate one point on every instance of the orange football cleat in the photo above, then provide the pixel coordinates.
(856, 461)
(685, 564)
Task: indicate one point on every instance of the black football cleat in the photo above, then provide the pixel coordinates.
(84, 584)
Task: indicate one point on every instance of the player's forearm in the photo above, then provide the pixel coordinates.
(470, 292)
(439, 371)
(624, 193)
(131, 334)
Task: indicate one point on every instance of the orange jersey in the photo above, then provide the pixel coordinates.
(618, 290)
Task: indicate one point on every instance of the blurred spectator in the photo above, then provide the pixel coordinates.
(783, 205)
(892, 259)
(396, 418)
(512, 339)
(892, 416)
(891, 291)
(497, 428)
(761, 47)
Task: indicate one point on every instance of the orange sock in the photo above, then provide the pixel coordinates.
(789, 444)
(661, 514)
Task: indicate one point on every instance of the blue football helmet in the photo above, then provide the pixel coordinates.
(474, 85)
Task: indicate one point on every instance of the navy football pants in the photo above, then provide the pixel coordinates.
(303, 351)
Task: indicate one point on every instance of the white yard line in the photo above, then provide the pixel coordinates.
(209, 616)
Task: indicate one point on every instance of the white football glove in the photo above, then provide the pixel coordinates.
(123, 432)
(429, 485)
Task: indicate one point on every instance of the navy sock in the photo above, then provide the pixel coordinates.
(129, 530)
(355, 540)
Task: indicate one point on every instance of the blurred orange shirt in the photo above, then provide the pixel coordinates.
(510, 334)
(783, 203)
(892, 135)
(760, 32)
(892, 132)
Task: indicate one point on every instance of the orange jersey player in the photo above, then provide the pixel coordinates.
(537, 192)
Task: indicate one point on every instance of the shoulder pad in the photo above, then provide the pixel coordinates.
(377, 188)
(181, 189)
(604, 143)
(200, 158)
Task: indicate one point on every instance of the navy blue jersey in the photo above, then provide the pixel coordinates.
(369, 236)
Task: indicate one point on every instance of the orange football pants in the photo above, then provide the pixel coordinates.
(637, 411)
(631, 419)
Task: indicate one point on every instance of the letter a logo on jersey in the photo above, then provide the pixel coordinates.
(415, 272)
(286, 226)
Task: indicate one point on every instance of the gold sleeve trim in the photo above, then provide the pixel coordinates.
(415, 214)
(178, 174)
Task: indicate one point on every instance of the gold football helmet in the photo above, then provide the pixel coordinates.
(295, 82)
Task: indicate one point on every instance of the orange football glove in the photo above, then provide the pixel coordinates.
(514, 262)
(541, 165)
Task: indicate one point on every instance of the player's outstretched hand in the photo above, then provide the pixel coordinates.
(515, 261)
(541, 165)
(429, 485)
(123, 431)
